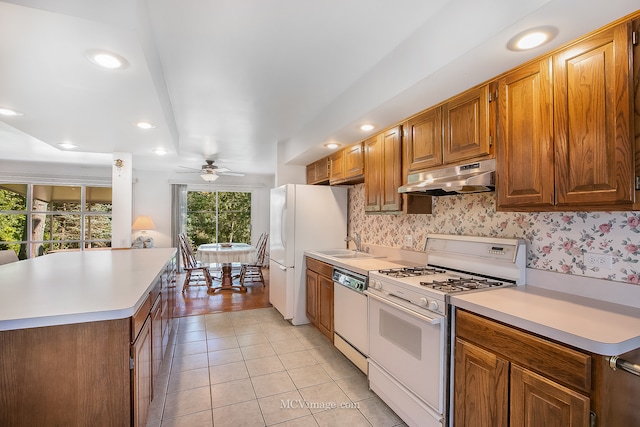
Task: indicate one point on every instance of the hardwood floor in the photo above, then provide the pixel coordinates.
(195, 300)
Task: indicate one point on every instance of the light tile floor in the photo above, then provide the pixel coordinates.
(251, 368)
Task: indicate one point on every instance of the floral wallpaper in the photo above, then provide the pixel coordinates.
(556, 241)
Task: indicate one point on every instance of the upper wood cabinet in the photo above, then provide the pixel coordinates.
(383, 171)
(423, 140)
(593, 132)
(467, 126)
(318, 171)
(347, 165)
(525, 143)
(565, 139)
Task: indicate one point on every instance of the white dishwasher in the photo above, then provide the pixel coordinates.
(350, 316)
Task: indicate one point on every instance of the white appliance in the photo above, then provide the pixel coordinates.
(350, 313)
(409, 325)
(303, 217)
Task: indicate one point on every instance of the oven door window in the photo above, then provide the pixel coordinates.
(410, 349)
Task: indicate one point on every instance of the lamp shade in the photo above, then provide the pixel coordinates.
(143, 223)
(209, 177)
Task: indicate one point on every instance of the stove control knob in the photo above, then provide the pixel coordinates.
(433, 305)
(376, 284)
(424, 302)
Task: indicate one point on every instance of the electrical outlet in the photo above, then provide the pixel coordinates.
(602, 261)
(408, 241)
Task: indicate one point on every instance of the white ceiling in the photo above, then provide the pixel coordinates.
(247, 81)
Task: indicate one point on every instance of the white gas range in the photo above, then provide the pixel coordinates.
(409, 331)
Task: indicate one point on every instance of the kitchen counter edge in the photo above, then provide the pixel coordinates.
(150, 267)
(599, 327)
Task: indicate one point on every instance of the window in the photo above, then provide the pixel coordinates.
(36, 219)
(220, 216)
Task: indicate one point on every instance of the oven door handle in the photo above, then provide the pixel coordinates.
(431, 320)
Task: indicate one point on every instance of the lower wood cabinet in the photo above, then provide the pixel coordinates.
(142, 374)
(319, 287)
(505, 376)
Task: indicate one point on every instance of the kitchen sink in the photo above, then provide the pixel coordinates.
(353, 254)
(345, 253)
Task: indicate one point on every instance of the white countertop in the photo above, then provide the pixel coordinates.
(76, 287)
(596, 326)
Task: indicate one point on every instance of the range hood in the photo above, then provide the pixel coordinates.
(473, 177)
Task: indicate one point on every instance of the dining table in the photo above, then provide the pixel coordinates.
(226, 254)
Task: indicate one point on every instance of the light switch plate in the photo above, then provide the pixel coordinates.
(408, 241)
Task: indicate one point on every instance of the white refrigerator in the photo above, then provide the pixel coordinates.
(303, 217)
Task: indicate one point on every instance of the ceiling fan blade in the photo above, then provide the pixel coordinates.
(232, 174)
(186, 167)
(222, 170)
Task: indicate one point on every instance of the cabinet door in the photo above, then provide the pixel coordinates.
(525, 140)
(372, 174)
(466, 126)
(312, 296)
(322, 170)
(353, 161)
(391, 142)
(336, 167)
(423, 140)
(539, 402)
(481, 387)
(592, 86)
(325, 312)
(141, 375)
(156, 340)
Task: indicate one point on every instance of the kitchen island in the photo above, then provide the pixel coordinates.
(81, 335)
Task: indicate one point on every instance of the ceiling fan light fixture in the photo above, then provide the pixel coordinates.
(209, 177)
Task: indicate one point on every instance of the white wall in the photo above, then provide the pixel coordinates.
(152, 197)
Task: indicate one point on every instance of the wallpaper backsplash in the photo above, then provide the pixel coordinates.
(556, 241)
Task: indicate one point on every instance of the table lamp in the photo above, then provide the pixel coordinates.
(143, 223)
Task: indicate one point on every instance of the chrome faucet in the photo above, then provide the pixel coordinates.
(357, 240)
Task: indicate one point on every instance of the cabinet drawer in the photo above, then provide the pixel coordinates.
(320, 267)
(137, 321)
(562, 364)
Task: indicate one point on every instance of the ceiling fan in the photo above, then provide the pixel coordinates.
(210, 172)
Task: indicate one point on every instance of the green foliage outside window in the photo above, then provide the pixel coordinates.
(214, 217)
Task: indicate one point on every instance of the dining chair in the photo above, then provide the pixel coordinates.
(252, 272)
(191, 266)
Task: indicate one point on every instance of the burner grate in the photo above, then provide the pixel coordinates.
(453, 285)
(410, 271)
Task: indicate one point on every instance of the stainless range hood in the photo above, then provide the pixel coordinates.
(473, 177)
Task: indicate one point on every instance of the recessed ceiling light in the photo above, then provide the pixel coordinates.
(532, 38)
(67, 145)
(107, 59)
(8, 112)
(145, 125)
(160, 151)
(366, 127)
(331, 145)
